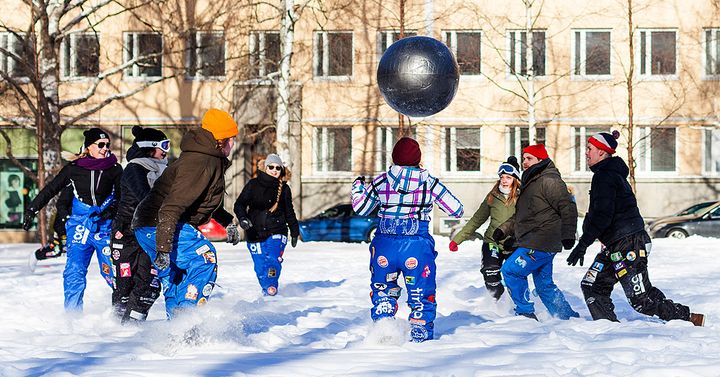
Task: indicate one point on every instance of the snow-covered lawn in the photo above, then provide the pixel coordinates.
(319, 324)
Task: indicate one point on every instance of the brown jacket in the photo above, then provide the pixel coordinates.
(545, 213)
(189, 190)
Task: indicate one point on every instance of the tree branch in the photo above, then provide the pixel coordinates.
(15, 161)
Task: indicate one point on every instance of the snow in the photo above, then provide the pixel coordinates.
(319, 324)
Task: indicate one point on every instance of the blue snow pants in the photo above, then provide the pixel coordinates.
(86, 233)
(267, 260)
(191, 276)
(515, 271)
(404, 246)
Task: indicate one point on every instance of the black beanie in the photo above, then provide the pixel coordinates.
(94, 134)
(148, 134)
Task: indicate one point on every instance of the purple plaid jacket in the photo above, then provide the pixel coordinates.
(404, 192)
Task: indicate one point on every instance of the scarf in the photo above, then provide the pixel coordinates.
(154, 166)
(90, 163)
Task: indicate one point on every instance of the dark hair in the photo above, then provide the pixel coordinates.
(13, 177)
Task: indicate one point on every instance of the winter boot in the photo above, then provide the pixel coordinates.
(529, 315)
(697, 319)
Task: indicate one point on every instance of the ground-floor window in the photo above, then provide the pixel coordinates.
(386, 138)
(518, 137)
(712, 151)
(462, 149)
(580, 136)
(16, 188)
(656, 149)
(332, 149)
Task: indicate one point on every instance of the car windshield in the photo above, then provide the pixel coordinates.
(695, 208)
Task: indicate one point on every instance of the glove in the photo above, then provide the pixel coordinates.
(106, 214)
(498, 234)
(293, 241)
(509, 244)
(568, 243)
(453, 246)
(361, 179)
(245, 224)
(29, 217)
(577, 255)
(233, 234)
(162, 260)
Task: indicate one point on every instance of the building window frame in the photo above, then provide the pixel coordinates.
(644, 157)
(194, 55)
(133, 72)
(258, 54)
(322, 61)
(323, 152)
(515, 134)
(520, 55)
(644, 53)
(709, 148)
(69, 60)
(450, 150)
(385, 38)
(579, 51)
(451, 40)
(9, 42)
(579, 136)
(711, 53)
(385, 139)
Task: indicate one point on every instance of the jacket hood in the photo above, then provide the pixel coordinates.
(406, 179)
(133, 152)
(614, 164)
(200, 140)
(544, 167)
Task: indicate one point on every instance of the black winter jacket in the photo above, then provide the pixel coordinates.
(254, 203)
(613, 212)
(91, 187)
(134, 187)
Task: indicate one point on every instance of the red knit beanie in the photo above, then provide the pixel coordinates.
(537, 150)
(406, 152)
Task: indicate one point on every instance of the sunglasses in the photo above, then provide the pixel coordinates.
(164, 145)
(103, 144)
(274, 167)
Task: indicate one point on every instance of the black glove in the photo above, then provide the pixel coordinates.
(361, 179)
(162, 260)
(577, 255)
(29, 217)
(498, 235)
(293, 241)
(509, 244)
(245, 224)
(568, 243)
(233, 234)
(106, 213)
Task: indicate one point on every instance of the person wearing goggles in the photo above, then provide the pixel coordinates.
(498, 206)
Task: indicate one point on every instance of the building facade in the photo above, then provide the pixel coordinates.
(554, 75)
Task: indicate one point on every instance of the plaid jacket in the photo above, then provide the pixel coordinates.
(404, 192)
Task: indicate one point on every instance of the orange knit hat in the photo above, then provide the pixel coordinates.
(220, 124)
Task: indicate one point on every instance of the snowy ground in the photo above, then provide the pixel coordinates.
(320, 325)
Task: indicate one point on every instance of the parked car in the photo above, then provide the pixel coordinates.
(213, 231)
(339, 223)
(702, 219)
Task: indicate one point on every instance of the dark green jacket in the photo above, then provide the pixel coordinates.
(494, 206)
(545, 213)
(188, 191)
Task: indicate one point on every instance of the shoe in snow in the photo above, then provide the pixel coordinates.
(697, 319)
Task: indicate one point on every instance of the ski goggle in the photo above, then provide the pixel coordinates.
(508, 169)
(164, 145)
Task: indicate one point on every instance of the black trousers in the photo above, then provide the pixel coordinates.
(626, 262)
(492, 260)
(137, 285)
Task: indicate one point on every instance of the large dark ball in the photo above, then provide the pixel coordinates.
(418, 76)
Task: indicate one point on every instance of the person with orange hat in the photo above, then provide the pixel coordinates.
(544, 223)
(187, 194)
(614, 218)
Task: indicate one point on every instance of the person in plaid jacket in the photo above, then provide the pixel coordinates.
(403, 245)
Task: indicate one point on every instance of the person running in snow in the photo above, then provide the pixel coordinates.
(265, 210)
(499, 206)
(614, 218)
(187, 194)
(403, 244)
(136, 285)
(94, 175)
(544, 223)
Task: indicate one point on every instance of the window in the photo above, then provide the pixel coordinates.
(80, 55)
(16, 189)
(15, 59)
(712, 151)
(581, 134)
(146, 49)
(333, 54)
(517, 139)
(264, 53)
(386, 139)
(712, 52)
(655, 149)
(466, 47)
(386, 38)
(657, 53)
(591, 52)
(462, 149)
(526, 54)
(205, 54)
(333, 148)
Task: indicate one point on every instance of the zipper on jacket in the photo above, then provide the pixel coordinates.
(92, 187)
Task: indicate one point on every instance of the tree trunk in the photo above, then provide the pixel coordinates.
(631, 73)
(287, 36)
(532, 139)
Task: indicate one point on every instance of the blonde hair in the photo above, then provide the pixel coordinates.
(69, 156)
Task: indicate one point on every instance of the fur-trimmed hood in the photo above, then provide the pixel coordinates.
(285, 175)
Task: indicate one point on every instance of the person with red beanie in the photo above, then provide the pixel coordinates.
(406, 194)
(614, 218)
(544, 223)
